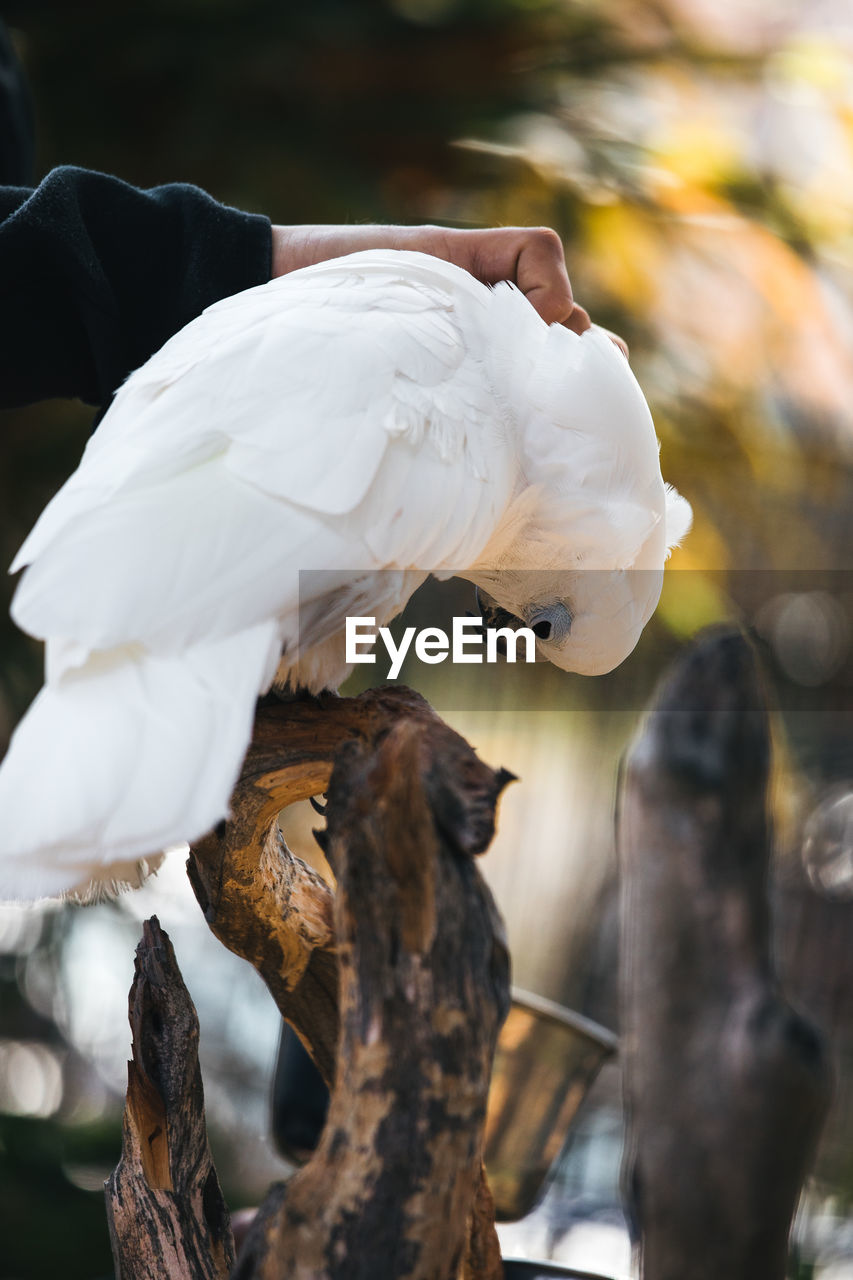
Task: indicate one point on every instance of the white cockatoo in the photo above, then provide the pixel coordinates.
(376, 417)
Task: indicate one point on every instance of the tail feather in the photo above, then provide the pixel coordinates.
(124, 756)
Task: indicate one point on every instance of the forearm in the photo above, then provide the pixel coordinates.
(96, 275)
(531, 257)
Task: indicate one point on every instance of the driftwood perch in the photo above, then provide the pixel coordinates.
(424, 987)
(726, 1086)
(268, 906)
(397, 984)
(166, 1213)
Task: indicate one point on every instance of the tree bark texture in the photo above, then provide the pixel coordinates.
(424, 986)
(482, 1260)
(726, 1085)
(165, 1208)
(265, 904)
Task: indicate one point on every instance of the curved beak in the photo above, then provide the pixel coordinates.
(493, 614)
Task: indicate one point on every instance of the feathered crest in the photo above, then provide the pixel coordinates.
(679, 518)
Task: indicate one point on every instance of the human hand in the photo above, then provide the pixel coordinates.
(531, 257)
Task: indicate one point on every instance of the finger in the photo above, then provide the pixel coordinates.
(531, 257)
(542, 277)
(579, 320)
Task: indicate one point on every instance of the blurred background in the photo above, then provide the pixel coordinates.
(697, 160)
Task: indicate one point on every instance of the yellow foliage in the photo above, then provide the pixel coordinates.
(700, 151)
(626, 252)
(690, 601)
(704, 548)
(808, 59)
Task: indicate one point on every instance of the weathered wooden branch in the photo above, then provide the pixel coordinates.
(423, 978)
(274, 911)
(482, 1259)
(265, 904)
(166, 1213)
(423, 989)
(726, 1086)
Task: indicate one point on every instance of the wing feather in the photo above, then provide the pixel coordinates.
(207, 488)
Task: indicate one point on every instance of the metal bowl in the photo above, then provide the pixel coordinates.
(529, 1269)
(547, 1058)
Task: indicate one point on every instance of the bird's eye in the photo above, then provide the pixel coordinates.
(552, 624)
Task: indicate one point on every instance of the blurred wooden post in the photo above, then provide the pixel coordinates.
(726, 1086)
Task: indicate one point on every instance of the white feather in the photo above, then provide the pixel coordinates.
(371, 419)
(117, 756)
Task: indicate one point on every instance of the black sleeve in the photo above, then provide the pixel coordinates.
(95, 275)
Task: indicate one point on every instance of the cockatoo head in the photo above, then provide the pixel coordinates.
(584, 620)
(586, 617)
(596, 521)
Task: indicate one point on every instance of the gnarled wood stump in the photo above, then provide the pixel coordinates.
(397, 983)
(424, 986)
(166, 1213)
